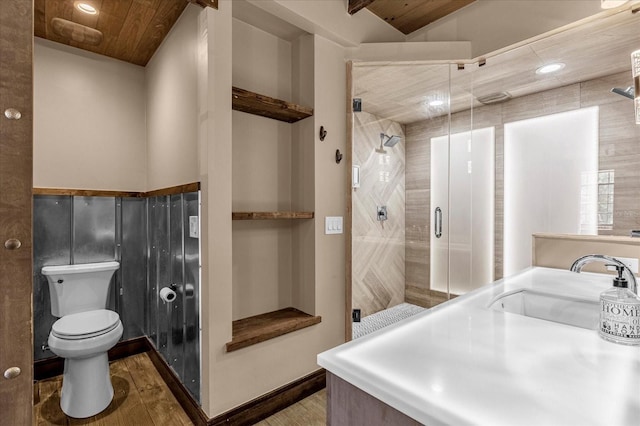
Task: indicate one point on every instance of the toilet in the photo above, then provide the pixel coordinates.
(83, 334)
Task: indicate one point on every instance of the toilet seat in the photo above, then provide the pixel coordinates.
(84, 325)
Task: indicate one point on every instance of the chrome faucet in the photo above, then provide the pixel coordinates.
(582, 261)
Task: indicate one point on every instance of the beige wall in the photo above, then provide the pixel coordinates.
(214, 136)
(171, 101)
(89, 127)
(230, 379)
(378, 247)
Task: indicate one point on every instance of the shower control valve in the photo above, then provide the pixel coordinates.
(382, 213)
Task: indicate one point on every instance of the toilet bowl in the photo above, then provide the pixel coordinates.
(83, 334)
(83, 340)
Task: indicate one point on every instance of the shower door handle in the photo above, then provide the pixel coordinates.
(438, 223)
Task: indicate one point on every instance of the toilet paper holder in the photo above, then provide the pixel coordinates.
(168, 294)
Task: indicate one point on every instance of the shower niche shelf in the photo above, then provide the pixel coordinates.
(279, 215)
(259, 328)
(265, 106)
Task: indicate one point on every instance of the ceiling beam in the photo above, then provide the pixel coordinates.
(356, 5)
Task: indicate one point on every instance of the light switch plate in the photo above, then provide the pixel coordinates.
(333, 225)
(193, 227)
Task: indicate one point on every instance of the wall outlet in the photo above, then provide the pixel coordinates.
(355, 315)
(630, 262)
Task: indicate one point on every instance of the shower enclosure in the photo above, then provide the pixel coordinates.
(151, 239)
(439, 237)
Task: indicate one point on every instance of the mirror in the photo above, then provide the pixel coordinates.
(500, 91)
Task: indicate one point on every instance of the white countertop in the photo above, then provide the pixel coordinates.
(462, 363)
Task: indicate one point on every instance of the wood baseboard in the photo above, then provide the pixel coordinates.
(51, 367)
(272, 402)
(178, 389)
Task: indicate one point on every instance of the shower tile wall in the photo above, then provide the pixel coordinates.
(618, 151)
(378, 247)
(71, 230)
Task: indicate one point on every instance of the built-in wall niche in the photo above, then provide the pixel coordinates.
(272, 182)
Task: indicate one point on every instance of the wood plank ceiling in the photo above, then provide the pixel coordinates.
(132, 30)
(409, 15)
(129, 30)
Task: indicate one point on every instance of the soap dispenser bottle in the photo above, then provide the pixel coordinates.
(620, 313)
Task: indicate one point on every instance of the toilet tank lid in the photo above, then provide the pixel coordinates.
(81, 268)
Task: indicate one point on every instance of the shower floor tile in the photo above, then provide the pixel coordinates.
(381, 319)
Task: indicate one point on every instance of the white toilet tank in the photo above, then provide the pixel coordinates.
(79, 288)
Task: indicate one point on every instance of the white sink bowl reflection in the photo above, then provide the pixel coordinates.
(550, 307)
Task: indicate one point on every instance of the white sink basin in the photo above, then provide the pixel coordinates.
(568, 310)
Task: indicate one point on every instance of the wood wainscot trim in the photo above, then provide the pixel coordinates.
(86, 192)
(54, 366)
(272, 402)
(172, 190)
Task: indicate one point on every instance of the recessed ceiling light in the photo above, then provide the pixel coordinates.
(436, 103)
(86, 8)
(610, 4)
(546, 69)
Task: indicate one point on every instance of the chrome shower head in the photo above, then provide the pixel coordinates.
(389, 141)
(392, 140)
(627, 93)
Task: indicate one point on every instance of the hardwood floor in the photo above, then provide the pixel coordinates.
(140, 398)
(311, 411)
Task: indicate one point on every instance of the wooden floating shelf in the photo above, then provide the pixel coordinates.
(259, 328)
(265, 106)
(270, 215)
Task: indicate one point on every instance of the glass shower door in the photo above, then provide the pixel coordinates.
(462, 195)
